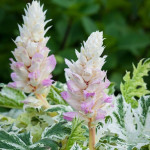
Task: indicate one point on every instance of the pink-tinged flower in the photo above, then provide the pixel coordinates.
(33, 67)
(64, 95)
(86, 107)
(47, 82)
(100, 114)
(70, 115)
(87, 82)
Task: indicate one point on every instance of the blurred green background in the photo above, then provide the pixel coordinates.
(125, 24)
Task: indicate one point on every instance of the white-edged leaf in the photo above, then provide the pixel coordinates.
(54, 94)
(130, 128)
(11, 141)
(11, 98)
(57, 131)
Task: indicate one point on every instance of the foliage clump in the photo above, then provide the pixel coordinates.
(135, 87)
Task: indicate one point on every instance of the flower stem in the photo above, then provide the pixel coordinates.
(43, 100)
(91, 136)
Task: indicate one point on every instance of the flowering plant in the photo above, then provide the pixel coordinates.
(84, 113)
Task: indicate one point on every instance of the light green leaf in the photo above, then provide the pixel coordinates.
(11, 98)
(135, 87)
(77, 134)
(34, 122)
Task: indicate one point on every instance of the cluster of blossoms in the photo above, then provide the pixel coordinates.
(87, 83)
(32, 68)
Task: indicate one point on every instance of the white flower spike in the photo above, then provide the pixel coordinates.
(32, 68)
(87, 83)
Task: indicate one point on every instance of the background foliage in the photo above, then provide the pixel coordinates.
(125, 23)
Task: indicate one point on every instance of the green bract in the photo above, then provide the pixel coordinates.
(135, 87)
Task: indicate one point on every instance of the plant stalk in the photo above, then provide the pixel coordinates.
(43, 100)
(91, 136)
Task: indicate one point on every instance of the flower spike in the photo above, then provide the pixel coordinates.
(87, 84)
(32, 68)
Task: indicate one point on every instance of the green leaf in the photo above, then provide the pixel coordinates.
(34, 122)
(26, 137)
(57, 131)
(64, 3)
(77, 134)
(11, 98)
(129, 128)
(132, 41)
(11, 141)
(76, 147)
(135, 87)
(145, 105)
(23, 141)
(58, 110)
(54, 94)
(90, 9)
(111, 88)
(89, 25)
(121, 112)
(45, 144)
(5, 120)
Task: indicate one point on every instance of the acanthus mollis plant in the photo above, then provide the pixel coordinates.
(121, 123)
(33, 67)
(87, 85)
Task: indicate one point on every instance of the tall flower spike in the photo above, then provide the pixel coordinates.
(32, 68)
(87, 83)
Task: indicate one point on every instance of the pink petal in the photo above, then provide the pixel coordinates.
(106, 98)
(100, 114)
(25, 102)
(19, 64)
(87, 95)
(12, 84)
(70, 115)
(34, 75)
(11, 60)
(47, 82)
(13, 76)
(37, 56)
(65, 95)
(107, 83)
(51, 62)
(87, 107)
